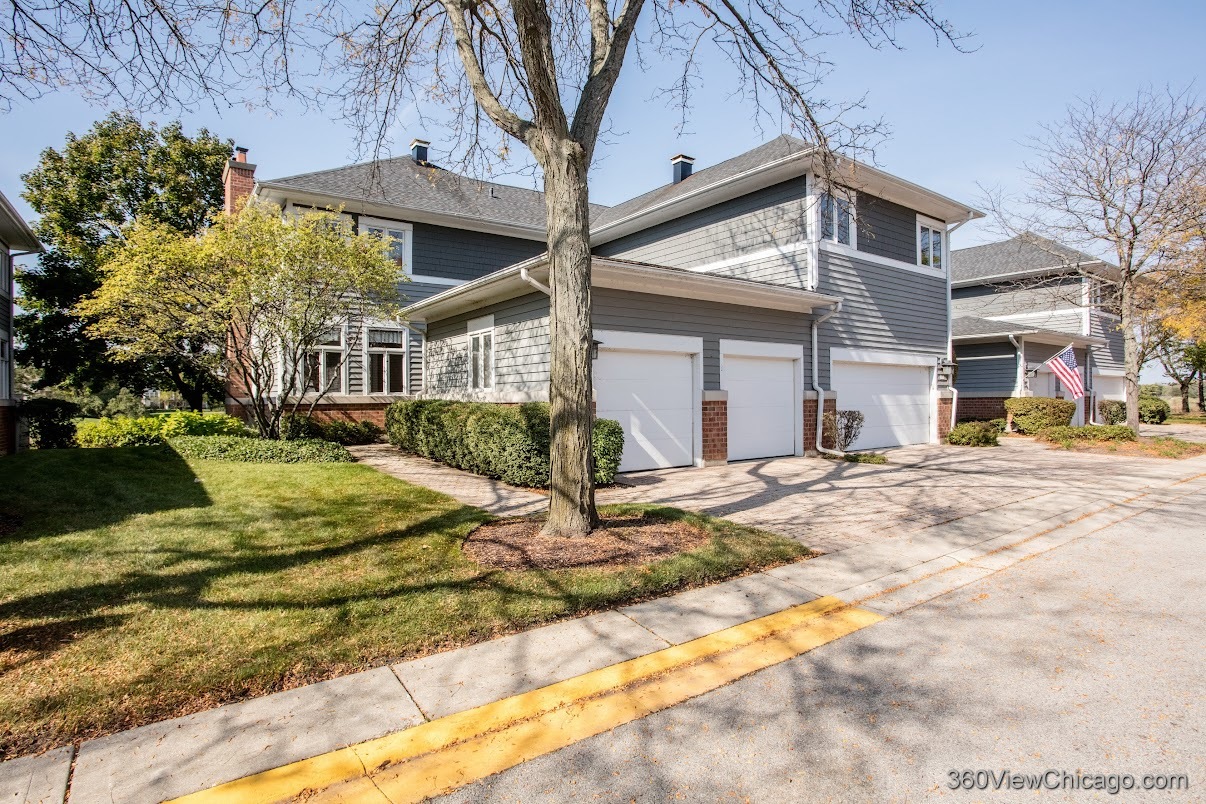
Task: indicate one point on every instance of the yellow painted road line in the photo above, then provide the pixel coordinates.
(455, 750)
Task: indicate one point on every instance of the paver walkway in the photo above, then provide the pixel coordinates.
(829, 505)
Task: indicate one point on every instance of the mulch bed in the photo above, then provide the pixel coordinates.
(515, 544)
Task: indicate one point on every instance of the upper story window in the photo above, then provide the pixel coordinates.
(1103, 296)
(401, 237)
(386, 361)
(324, 365)
(837, 219)
(931, 243)
(6, 275)
(481, 353)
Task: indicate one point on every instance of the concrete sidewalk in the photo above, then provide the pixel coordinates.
(176, 757)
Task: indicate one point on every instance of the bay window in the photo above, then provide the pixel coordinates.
(324, 366)
(386, 350)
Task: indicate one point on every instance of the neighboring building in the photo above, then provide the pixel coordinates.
(708, 293)
(1018, 303)
(16, 238)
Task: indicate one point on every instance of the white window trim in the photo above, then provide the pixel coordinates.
(345, 376)
(477, 327)
(838, 248)
(840, 354)
(939, 227)
(853, 204)
(367, 350)
(408, 264)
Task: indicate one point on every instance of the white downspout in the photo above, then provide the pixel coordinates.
(526, 277)
(950, 345)
(816, 383)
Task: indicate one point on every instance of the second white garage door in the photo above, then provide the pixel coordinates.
(650, 395)
(895, 401)
(762, 407)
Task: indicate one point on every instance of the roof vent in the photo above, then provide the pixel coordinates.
(418, 150)
(682, 166)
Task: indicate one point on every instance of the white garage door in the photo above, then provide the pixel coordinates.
(762, 407)
(649, 394)
(895, 401)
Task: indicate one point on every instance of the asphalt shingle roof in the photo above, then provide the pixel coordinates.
(403, 182)
(1023, 254)
(970, 326)
(778, 148)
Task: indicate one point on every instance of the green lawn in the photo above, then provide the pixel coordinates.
(141, 586)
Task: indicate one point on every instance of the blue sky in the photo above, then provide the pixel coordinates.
(957, 119)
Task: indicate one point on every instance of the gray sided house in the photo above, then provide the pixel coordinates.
(15, 238)
(1017, 303)
(726, 303)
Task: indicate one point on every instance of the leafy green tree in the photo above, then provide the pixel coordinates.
(251, 300)
(87, 196)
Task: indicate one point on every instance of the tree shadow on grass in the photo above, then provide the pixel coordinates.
(56, 492)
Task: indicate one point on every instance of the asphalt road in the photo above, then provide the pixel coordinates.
(1089, 658)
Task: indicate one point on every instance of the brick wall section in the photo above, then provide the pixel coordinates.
(981, 408)
(716, 431)
(8, 430)
(944, 418)
(810, 424)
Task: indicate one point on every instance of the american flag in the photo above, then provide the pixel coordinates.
(1064, 366)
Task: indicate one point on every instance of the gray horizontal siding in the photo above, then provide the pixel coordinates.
(987, 368)
(413, 292)
(1039, 353)
(1110, 357)
(414, 379)
(460, 254)
(986, 301)
(521, 346)
(883, 308)
(712, 321)
(774, 215)
(886, 229)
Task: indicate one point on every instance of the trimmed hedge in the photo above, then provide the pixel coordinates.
(145, 431)
(1066, 435)
(258, 450)
(507, 442)
(341, 432)
(1112, 411)
(1033, 413)
(973, 434)
(1153, 410)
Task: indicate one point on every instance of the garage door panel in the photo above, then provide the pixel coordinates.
(894, 400)
(761, 407)
(650, 395)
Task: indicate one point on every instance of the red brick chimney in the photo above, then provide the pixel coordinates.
(239, 178)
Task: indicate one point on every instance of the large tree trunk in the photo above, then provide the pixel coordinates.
(1130, 351)
(1184, 394)
(572, 483)
(1201, 391)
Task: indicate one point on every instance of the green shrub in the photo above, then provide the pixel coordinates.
(508, 442)
(1033, 413)
(1000, 425)
(1112, 411)
(123, 431)
(294, 427)
(51, 422)
(258, 450)
(973, 434)
(1153, 410)
(1068, 435)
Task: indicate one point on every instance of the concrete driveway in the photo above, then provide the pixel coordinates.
(831, 505)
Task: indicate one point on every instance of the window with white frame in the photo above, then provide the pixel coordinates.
(324, 365)
(931, 244)
(6, 366)
(481, 353)
(400, 236)
(837, 219)
(386, 350)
